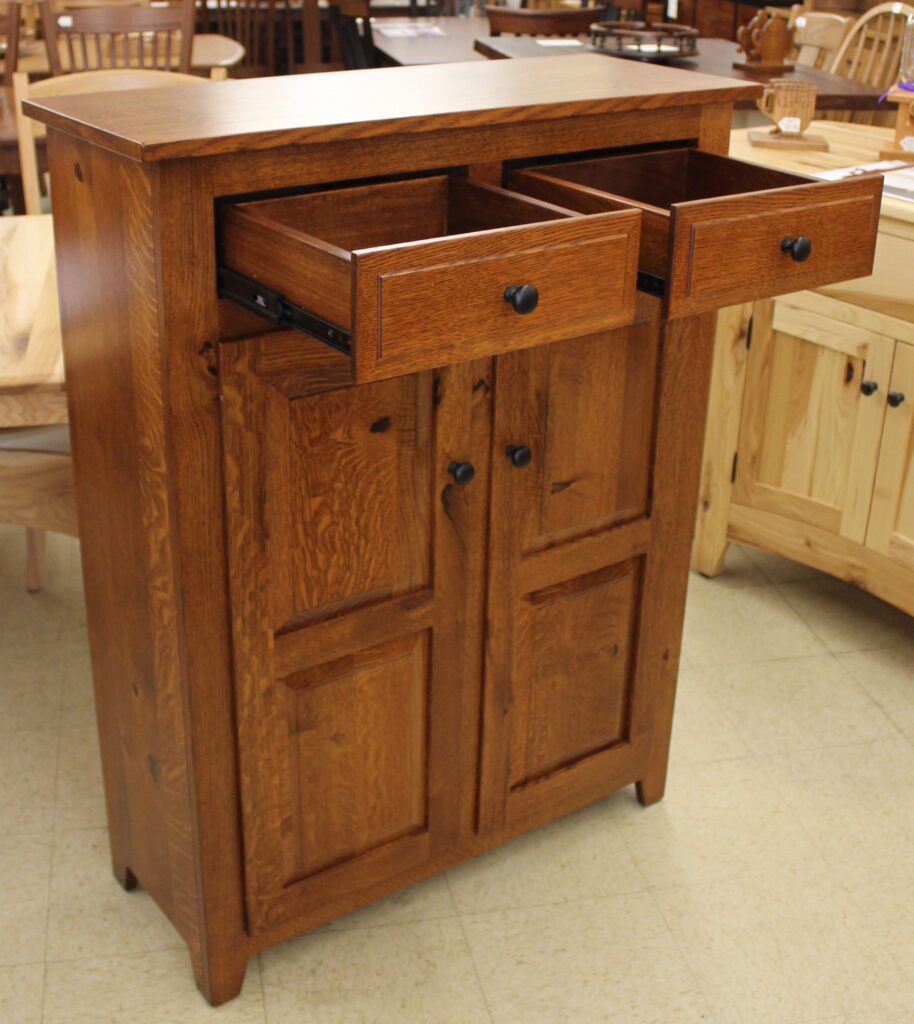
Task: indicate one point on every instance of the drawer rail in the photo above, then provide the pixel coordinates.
(278, 310)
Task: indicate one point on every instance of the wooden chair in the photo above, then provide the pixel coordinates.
(356, 47)
(103, 38)
(256, 24)
(871, 52)
(36, 473)
(520, 21)
(9, 32)
(818, 36)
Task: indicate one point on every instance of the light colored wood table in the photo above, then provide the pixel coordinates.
(31, 360)
(809, 449)
(453, 45)
(208, 51)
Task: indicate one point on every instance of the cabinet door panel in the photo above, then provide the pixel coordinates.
(810, 435)
(567, 538)
(891, 528)
(355, 573)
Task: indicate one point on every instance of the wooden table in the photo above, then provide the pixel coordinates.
(455, 45)
(31, 361)
(715, 57)
(839, 497)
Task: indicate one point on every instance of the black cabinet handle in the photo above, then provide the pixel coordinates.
(462, 472)
(800, 248)
(869, 387)
(519, 455)
(522, 298)
(894, 398)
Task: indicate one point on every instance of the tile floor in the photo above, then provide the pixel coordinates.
(773, 885)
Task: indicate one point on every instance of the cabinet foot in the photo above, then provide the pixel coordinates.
(650, 789)
(126, 879)
(219, 978)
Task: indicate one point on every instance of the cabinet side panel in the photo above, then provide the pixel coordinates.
(105, 247)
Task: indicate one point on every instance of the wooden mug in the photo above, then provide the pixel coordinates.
(790, 104)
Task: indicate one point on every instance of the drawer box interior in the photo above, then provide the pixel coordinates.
(712, 227)
(418, 273)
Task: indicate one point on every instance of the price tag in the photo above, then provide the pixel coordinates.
(907, 143)
(789, 125)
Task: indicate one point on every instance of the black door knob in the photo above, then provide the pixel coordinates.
(894, 398)
(519, 455)
(800, 248)
(869, 387)
(523, 298)
(462, 472)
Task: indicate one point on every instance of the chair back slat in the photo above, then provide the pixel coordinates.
(10, 17)
(523, 21)
(104, 38)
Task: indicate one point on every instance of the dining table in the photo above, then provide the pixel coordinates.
(32, 389)
(715, 57)
(443, 40)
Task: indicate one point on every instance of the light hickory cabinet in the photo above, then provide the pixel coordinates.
(387, 393)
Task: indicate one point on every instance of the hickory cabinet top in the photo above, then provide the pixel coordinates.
(224, 117)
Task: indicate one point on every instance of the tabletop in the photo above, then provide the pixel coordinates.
(31, 360)
(715, 57)
(444, 40)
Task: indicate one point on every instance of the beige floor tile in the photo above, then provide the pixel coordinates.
(419, 973)
(32, 618)
(77, 703)
(25, 868)
(426, 901)
(726, 626)
(856, 802)
(28, 765)
(611, 960)
(846, 618)
(79, 800)
(701, 731)
(59, 553)
(779, 948)
(887, 675)
(90, 914)
(21, 994)
(739, 570)
(717, 821)
(781, 570)
(152, 988)
(580, 857)
(796, 703)
(30, 685)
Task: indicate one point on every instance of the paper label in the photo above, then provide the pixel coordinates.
(789, 125)
(907, 143)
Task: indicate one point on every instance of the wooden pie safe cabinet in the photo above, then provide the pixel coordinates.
(387, 394)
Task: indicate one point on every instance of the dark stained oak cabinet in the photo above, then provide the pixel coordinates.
(387, 393)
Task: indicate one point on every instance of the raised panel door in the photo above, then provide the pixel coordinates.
(355, 574)
(891, 526)
(569, 532)
(812, 421)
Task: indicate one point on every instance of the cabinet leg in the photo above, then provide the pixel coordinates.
(650, 789)
(126, 879)
(219, 977)
(34, 559)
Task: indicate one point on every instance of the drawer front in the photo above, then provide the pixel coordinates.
(424, 305)
(728, 250)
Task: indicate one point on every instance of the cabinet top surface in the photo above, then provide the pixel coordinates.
(253, 114)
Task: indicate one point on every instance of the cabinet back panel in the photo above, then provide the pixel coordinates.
(576, 666)
(359, 484)
(357, 754)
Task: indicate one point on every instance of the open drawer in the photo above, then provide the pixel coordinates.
(717, 231)
(415, 274)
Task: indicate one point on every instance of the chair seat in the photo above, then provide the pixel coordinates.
(54, 439)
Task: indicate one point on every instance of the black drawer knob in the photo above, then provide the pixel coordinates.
(522, 298)
(519, 455)
(800, 248)
(894, 398)
(462, 472)
(869, 387)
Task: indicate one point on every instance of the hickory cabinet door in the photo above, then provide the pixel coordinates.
(356, 582)
(571, 461)
(812, 421)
